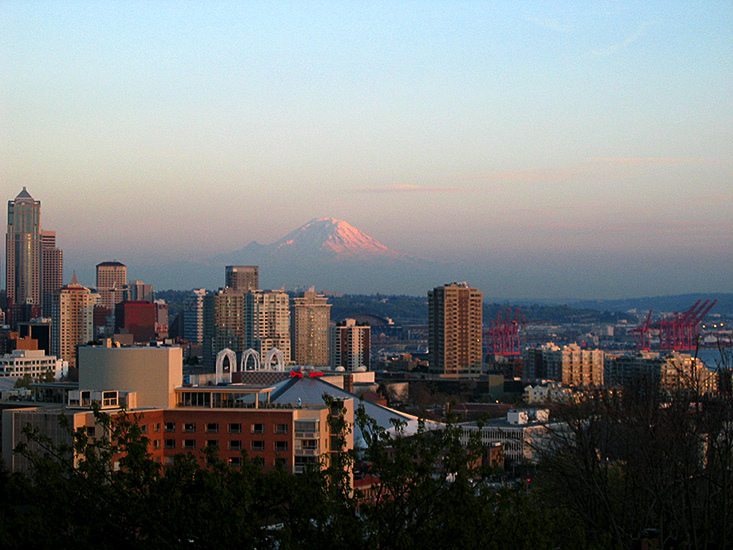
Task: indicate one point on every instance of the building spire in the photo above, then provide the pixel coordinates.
(24, 194)
(74, 280)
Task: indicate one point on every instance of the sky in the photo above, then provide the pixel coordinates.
(580, 148)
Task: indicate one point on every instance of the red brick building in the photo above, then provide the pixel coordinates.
(137, 318)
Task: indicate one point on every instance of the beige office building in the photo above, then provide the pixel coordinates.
(111, 283)
(267, 321)
(455, 320)
(72, 320)
(152, 372)
(224, 323)
(309, 322)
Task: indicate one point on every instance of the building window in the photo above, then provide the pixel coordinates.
(235, 428)
(170, 443)
(281, 446)
(189, 443)
(189, 427)
(156, 444)
(281, 428)
(90, 431)
(168, 461)
(235, 445)
(235, 461)
(170, 426)
(144, 429)
(258, 445)
(258, 428)
(156, 427)
(258, 461)
(281, 462)
(212, 443)
(212, 427)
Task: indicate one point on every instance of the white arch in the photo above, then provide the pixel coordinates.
(226, 352)
(278, 355)
(245, 358)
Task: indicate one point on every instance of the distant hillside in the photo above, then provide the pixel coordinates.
(659, 304)
(414, 309)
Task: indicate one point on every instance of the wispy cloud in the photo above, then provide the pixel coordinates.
(522, 175)
(647, 161)
(409, 188)
(550, 24)
(624, 43)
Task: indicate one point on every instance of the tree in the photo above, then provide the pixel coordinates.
(638, 463)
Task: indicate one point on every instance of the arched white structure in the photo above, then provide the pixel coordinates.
(278, 355)
(245, 358)
(229, 354)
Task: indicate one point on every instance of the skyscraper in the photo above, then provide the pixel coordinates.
(193, 317)
(72, 320)
(455, 316)
(23, 250)
(309, 322)
(111, 283)
(350, 345)
(267, 321)
(223, 323)
(137, 290)
(243, 277)
(52, 270)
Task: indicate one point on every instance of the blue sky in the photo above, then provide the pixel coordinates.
(527, 137)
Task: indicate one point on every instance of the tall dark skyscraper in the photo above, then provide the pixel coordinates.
(23, 250)
(243, 277)
(52, 270)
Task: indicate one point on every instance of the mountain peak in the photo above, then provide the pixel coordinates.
(334, 237)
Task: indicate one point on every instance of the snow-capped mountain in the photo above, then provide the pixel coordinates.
(325, 253)
(328, 253)
(328, 236)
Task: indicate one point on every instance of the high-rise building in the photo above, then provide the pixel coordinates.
(243, 277)
(23, 250)
(193, 317)
(161, 319)
(267, 321)
(455, 316)
(52, 270)
(309, 322)
(350, 345)
(223, 323)
(139, 291)
(137, 318)
(111, 283)
(72, 320)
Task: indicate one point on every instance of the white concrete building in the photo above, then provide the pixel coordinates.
(32, 362)
(523, 433)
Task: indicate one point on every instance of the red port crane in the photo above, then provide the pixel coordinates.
(678, 332)
(641, 334)
(503, 333)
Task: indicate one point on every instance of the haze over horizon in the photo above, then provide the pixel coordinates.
(543, 150)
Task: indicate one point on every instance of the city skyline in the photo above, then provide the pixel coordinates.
(560, 150)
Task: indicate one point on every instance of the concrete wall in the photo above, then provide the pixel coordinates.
(152, 372)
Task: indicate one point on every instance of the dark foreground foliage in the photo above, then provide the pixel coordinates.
(632, 470)
(430, 495)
